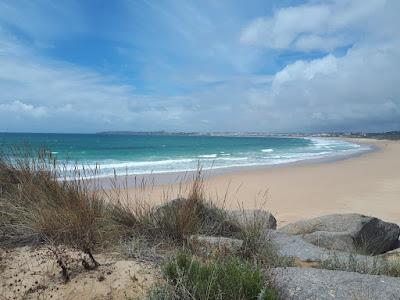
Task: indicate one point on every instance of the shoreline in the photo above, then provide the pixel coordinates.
(368, 184)
(175, 177)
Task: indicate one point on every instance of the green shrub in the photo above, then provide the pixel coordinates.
(228, 278)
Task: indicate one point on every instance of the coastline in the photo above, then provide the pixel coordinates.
(176, 177)
(368, 183)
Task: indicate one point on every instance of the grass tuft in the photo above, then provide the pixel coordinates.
(193, 214)
(230, 278)
(379, 265)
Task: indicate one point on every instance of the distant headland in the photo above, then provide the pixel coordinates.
(390, 135)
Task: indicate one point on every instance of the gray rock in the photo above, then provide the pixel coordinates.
(331, 240)
(347, 232)
(302, 283)
(294, 246)
(213, 245)
(257, 217)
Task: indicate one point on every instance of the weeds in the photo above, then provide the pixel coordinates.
(37, 207)
(379, 265)
(183, 217)
(230, 278)
(256, 244)
(40, 206)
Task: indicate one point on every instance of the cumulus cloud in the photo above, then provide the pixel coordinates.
(18, 107)
(303, 70)
(316, 26)
(357, 91)
(353, 91)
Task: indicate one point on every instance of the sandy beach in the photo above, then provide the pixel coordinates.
(367, 184)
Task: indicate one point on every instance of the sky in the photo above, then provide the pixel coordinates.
(84, 66)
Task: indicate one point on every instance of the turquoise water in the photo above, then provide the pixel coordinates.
(127, 154)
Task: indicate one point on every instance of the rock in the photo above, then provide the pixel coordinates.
(212, 245)
(302, 283)
(294, 246)
(258, 217)
(211, 219)
(347, 232)
(331, 240)
(301, 250)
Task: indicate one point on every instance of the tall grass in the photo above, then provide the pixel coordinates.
(193, 214)
(37, 207)
(43, 202)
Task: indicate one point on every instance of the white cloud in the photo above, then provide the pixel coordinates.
(327, 43)
(302, 70)
(18, 108)
(316, 26)
(357, 91)
(202, 78)
(46, 95)
(280, 30)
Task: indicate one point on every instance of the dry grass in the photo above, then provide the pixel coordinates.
(194, 214)
(379, 265)
(39, 205)
(36, 206)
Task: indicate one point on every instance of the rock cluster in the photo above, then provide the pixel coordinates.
(347, 232)
(344, 238)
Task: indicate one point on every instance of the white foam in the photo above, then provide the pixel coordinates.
(208, 156)
(232, 158)
(267, 150)
(319, 148)
(132, 164)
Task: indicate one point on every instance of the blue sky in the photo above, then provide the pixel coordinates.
(274, 66)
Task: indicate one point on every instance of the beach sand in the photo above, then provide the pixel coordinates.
(367, 184)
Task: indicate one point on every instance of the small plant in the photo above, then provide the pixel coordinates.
(355, 263)
(230, 278)
(257, 246)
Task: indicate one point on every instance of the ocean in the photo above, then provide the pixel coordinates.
(130, 154)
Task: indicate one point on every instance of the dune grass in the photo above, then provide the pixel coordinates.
(379, 265)
(39, 205)
(228, 278)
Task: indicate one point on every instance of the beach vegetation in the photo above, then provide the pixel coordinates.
(37, 208)
(188, 277)
(44, 203)
(65, 211)
(355, 263)
(258, 247)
